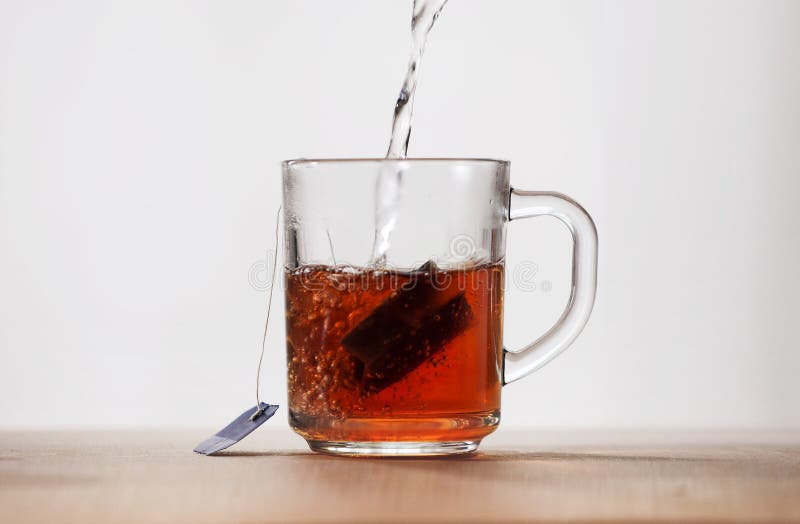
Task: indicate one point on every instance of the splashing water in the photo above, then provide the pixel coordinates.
(388, 186)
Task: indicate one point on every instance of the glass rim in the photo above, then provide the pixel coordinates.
(415, 160)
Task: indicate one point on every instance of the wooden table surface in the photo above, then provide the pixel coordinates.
(153, 476)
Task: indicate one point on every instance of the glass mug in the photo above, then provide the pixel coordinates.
(405, 357)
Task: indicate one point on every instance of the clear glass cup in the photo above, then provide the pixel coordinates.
(403, 354)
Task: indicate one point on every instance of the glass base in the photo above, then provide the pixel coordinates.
(413, 429)
(394, 449)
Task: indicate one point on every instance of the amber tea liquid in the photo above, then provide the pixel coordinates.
(389, 356)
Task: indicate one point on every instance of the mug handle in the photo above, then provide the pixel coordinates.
(527, 204)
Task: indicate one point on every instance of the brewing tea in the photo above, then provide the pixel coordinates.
(380, 355)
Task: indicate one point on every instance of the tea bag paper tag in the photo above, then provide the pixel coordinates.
(242, 426)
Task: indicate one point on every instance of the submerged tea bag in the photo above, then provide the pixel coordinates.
(408, 328)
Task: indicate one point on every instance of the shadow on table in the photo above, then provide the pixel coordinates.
(506, 456)
(479, 457)
(502, 466)
(276, 453)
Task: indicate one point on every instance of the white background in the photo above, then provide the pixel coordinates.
(139, 176)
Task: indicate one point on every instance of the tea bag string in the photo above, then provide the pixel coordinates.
(259, 409)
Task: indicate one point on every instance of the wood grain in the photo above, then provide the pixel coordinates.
(141, 476)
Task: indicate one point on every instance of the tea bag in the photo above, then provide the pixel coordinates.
(408, 328)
